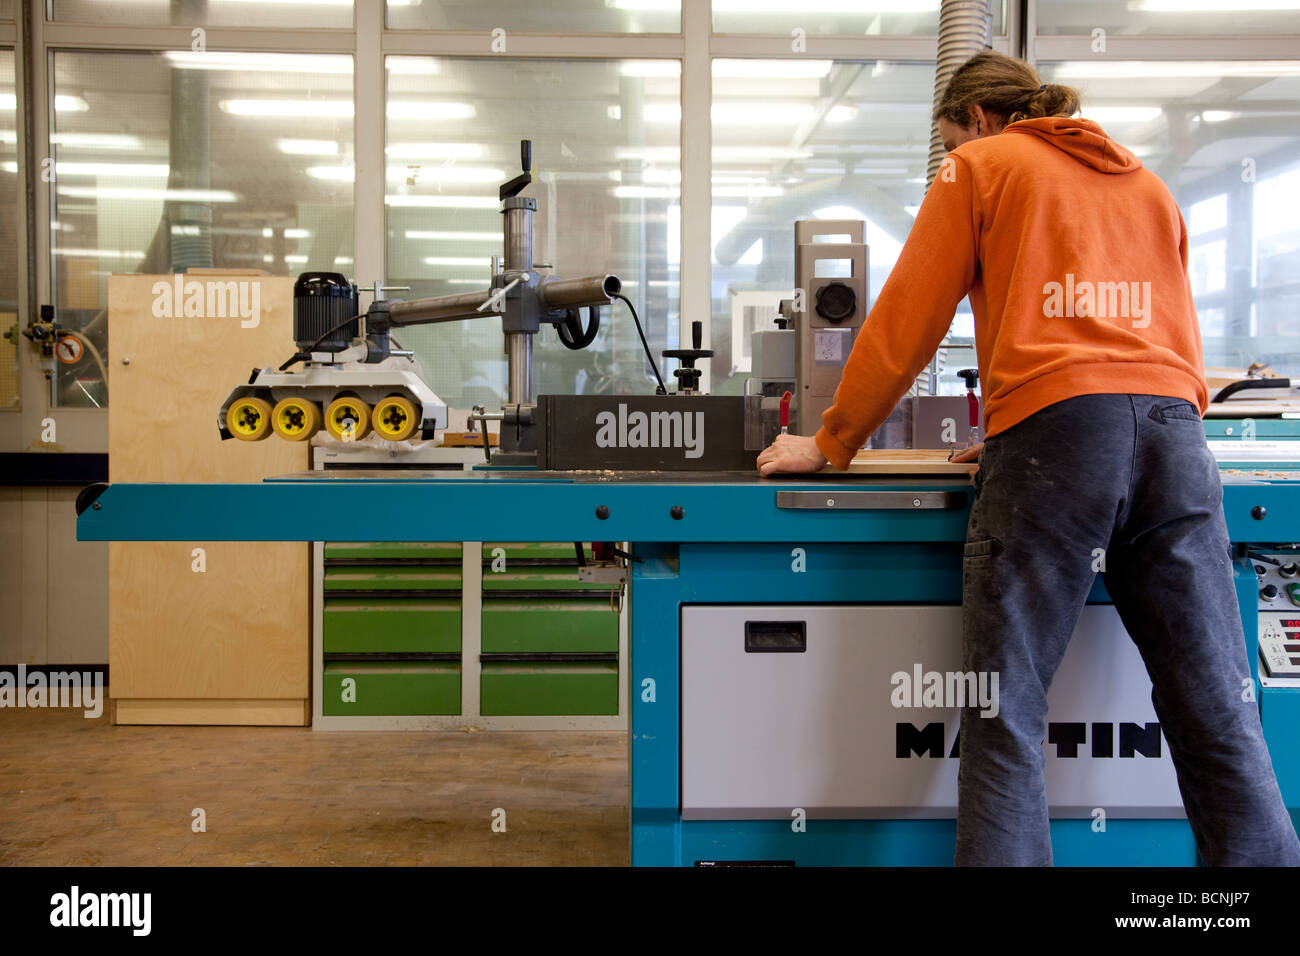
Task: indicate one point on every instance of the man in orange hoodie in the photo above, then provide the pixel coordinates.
(1074, 257)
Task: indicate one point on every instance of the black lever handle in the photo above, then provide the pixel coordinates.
(526, 155)
(697, 334)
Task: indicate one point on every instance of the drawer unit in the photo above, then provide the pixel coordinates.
(391, 688)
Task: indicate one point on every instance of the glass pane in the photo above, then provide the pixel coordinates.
(834, 17)
(1225, 137)
(606, 178)
(555, 16)
(784, 150)
(6, 9)
(210, 13)
(9, 226)
(175, 160)
(1168, 17)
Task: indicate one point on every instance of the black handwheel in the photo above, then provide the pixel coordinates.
(571, 331)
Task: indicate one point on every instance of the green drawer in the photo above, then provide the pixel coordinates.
(350, 577)
(377, 550)
(543, 624)
(391, 625)
(532, 551)
(525, 578)
(382, 690)
(538, 689)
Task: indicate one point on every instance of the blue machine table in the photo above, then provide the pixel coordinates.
(795, 648)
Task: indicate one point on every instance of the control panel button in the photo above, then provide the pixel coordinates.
(1268, 592)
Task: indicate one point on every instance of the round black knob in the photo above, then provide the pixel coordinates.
(1258, 512)
(836, 301)
(602, 512)
(1288, 570)
(677, 512)
(970, 376)
(1268, 592)
(1261, 570)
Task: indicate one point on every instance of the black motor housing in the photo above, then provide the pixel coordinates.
(322, 304)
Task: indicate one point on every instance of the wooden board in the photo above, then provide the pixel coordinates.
(904, 461)
(239, 630)
(268, 713)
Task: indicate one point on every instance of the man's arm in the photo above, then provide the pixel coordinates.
(934, 271)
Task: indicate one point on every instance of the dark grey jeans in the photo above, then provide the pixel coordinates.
(1130, 474)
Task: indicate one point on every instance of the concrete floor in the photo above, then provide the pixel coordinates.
(78, 791)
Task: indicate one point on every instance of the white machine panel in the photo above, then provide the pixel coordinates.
(774, 728)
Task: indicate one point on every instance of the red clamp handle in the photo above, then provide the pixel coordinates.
(785, 409)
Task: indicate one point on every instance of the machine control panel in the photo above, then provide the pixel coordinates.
(1278, 578)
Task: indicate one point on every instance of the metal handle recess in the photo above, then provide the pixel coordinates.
(871, 500)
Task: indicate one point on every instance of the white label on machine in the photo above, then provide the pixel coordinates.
(775, 728)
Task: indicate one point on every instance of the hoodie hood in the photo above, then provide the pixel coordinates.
(1082, 139)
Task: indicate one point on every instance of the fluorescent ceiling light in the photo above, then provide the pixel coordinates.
(295, 260)
(261, 62)
(750, 154)
(1210, 6)
(154, 195)
(307, 109)
(448, 174)
(453, 236)
(70, 104)
(429, 110)
(156, 170)
(484, 261)
(672, 6)
(1122, 114)
(100, 253)
(772, 69)
(297, 234)
(1218, 116)
(861, 7)
(650, 68)
(646, 192)
(745, 191)
(343, 260)
(444, 202)
(650, 153)
(742, 114)
(413, 65)
(308, 147)
(1143, 69)
(338, 174)
(434, 151)
(96, 141)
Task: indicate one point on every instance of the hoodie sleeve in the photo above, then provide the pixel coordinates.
(934, 271)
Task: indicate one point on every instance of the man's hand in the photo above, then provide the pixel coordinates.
(970, 454)
(791, 455)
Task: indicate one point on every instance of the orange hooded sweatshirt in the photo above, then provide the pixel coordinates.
(1075, 260)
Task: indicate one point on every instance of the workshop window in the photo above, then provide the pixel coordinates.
(606, 171)
(1223, 136)
(10, 225)
(1166, 17)
(299, 14)
(835, 17)
(554, 16)
(808, 139)
(176, 160)
(7, 10)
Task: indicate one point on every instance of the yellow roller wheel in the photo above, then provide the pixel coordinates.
(296, 419)
(249, 418)
(347, 418)
(395, 418)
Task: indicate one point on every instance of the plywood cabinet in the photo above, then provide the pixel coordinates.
(230, 643)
